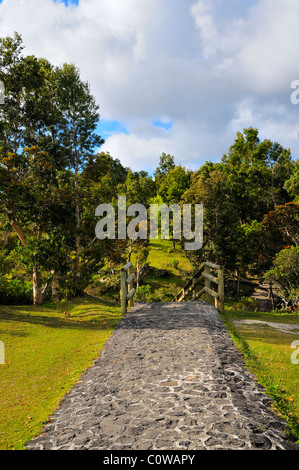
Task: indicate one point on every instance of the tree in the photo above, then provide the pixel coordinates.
(78, 134)
(166, 163)
(292, 184)
(285, 273)
(31, 182)
(257, 172)
(47, 134)
(247, 183)
(174, 184)
(284, 220)
(220, 217)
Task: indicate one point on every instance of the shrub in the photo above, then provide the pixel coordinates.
(285, 274)
(14, 291)
(145, 294)
(248, 304)
(175, 263)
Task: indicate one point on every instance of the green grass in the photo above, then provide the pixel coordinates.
(162, 256)
(267, 352)
(46, 351)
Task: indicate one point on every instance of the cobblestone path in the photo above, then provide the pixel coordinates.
(169, 377)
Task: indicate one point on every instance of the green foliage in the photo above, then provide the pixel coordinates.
(145, 293)
(292, 184)
(14, 291)
(174, 184)
(52, 179)
(247, 304)
(257, 172)
(284, 220)
(148, 294)
(286, 274)
(166, 164)
(237, 194)
(175, 263)
(47, 134)
(139, 188)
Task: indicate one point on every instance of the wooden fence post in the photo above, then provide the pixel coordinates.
(130, 287)
(221, 290)
(123, 291)
(194, 281)
(208, 284)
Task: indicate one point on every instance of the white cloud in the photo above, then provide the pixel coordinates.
(207, 28)
(269, 57)
(209, 67)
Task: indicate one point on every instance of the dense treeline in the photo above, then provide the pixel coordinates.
(53, 176)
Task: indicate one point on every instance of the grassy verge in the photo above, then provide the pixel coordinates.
(267, 352)
(46, 351)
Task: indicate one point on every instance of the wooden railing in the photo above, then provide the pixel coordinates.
(127, 290)
(204, 275)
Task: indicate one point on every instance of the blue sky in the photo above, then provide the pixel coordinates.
(68, 2)
(173, 76)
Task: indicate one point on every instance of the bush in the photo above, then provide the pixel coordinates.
(285, 274)
(166, 294)
(145, 294)
(248, 304)
(175, 263)
(14, 291)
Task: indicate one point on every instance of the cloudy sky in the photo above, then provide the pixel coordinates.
(174, 76)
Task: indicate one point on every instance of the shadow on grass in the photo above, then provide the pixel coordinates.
(94, 317)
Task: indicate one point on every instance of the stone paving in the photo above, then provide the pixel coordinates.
(169, 378)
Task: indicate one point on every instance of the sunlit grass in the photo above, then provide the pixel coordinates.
(163, 256)
(46, 351)
(268, 353)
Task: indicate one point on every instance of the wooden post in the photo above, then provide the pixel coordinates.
(130, 287)
(195, 282)
(123, 291)
(221, 290)
(208, 284)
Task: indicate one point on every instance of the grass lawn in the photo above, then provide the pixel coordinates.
(162, 256)
(46, 351)
(268, 353)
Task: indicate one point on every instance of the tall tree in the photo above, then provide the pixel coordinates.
(257, 172)
(78, 134)
(28, 164)
(47, 133)
(166, 163)
(174, 184)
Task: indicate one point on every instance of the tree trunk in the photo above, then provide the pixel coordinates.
(55, 293)
(238, 283)
(272, 297)
(37, 289)
(19, 231)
